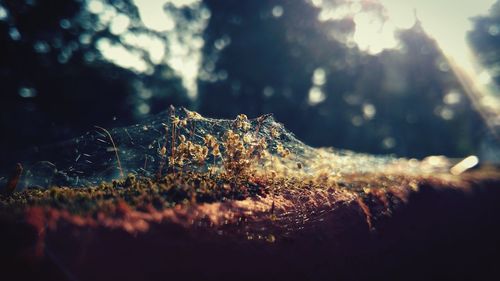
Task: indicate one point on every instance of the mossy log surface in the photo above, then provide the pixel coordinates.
(367, 226)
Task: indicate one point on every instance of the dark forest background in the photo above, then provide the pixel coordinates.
(55, 83)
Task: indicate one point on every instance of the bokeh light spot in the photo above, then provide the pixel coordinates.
(277, 11)
(316, 96)
(26, 92)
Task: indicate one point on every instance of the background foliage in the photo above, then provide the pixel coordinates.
(257, 57)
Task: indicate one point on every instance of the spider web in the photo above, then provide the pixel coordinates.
(92, 158)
